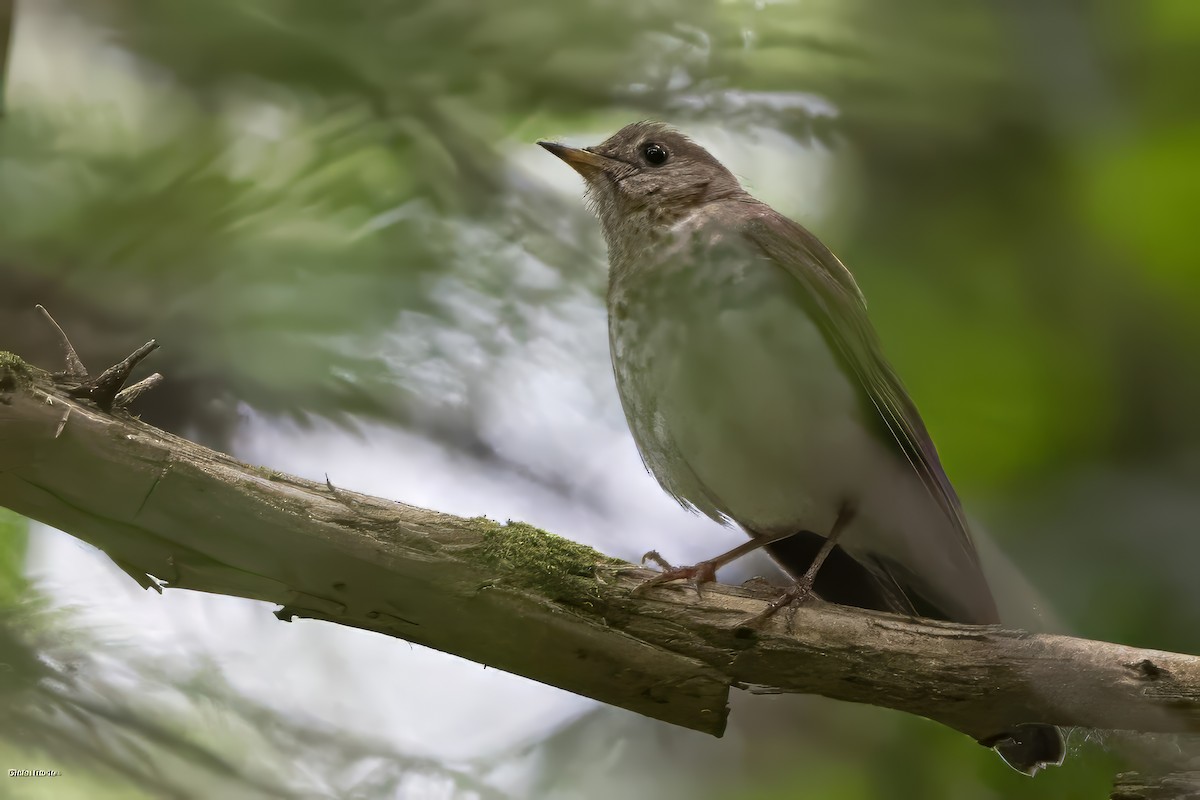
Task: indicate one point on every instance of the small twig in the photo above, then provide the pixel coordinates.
(130, 393)
(103, 390)
(75, 368)
(348, 500)
(106, 390)
(62, 423)
(338, 493)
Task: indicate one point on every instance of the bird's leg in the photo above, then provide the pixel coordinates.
(704, 571)
(802, 589)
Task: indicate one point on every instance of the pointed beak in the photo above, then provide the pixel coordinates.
(581, 159)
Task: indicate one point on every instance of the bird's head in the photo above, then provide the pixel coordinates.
(647, 175)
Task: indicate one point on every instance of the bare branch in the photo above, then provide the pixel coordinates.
(518, 599)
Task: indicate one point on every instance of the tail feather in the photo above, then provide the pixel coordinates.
(844, 580)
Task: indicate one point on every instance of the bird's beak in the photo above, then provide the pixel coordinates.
(582, 160)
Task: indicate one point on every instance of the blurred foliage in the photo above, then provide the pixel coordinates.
(268, 186)
(116, 723)
(14, 541)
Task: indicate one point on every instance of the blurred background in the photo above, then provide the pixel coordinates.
(332, 218)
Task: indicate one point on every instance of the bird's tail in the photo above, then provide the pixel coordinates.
(842, 579)
(1028, 748)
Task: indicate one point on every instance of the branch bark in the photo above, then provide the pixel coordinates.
(170, 512)
(1173, 786)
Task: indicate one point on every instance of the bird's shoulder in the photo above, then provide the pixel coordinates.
(746, 225)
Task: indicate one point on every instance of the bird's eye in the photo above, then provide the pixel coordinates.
(655, 153)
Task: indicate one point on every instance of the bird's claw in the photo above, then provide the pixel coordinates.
(696, 575)
(798, 593)
(654, 557)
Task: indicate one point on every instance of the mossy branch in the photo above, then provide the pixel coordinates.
(171, 513)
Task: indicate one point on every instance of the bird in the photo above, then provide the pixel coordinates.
(758, 394)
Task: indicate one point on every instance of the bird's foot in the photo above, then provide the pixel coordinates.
(695, 575)
(795, 595)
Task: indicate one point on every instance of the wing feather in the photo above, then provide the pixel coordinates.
(841, 314)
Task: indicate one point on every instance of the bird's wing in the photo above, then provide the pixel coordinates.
(838, 308)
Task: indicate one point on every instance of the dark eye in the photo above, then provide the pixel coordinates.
(655, 153)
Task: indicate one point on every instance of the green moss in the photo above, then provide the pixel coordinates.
(14, 373)
(532, 557)
(268, 473)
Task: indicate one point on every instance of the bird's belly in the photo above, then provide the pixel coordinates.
(747, 413)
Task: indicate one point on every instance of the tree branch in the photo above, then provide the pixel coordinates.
(524, 601)
(1173, 786)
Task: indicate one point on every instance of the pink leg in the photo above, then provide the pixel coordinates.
(704, 571)
(802, 589)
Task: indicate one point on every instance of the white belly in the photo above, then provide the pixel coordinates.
(747, 414)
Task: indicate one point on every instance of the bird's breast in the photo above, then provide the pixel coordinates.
(734, 397)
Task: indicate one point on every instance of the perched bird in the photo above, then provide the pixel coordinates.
(757, 393)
